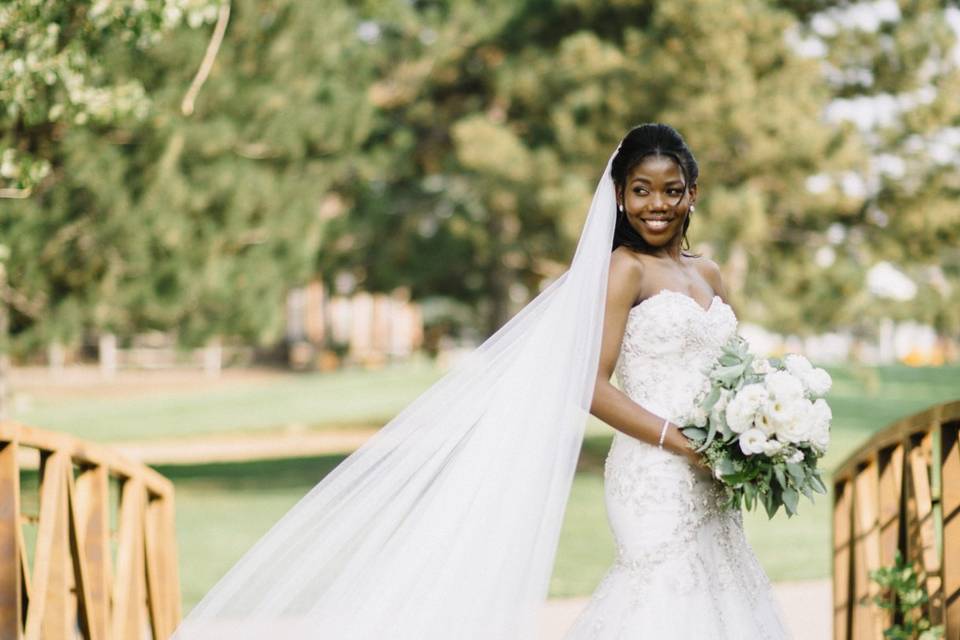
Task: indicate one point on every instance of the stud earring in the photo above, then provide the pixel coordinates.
(692, 208)
(620, 208)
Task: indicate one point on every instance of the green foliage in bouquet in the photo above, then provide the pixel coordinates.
(902, 593)
(749, 480)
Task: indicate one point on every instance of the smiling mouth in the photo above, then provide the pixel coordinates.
(656, 224)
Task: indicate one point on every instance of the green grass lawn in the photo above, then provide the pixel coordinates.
(339, 399)
(222, 509)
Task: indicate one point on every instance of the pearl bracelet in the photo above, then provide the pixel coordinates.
(663, 432)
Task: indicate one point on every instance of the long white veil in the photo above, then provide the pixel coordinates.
(445, 523)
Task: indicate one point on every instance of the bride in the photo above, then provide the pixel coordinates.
(445, 524)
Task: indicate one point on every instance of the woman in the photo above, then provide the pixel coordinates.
(683, 568)
(445, 524)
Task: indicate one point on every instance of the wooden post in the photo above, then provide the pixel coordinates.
(950, 501)
(11, 622)
(842, 558)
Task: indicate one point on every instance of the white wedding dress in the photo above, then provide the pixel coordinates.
(683, 567)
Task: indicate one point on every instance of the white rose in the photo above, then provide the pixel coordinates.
(752, 441)
(783, 385)
(820, 440)
(772, 447)
(794, 422)
(798, 365)
(796, 456)
(754, 395)
(821, 416)
(821, 413)
(739, 415)
(818, 382)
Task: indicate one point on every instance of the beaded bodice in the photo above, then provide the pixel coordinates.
(669, 343)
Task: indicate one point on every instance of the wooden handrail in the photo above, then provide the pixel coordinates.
(72, 589)
(899, 491)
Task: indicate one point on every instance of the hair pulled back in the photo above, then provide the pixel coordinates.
(650, 139)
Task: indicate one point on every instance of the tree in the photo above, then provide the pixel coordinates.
(52, 81)
(505, 127)
(893, 71)
(200, 224)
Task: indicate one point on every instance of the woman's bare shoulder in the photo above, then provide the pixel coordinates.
(626, 271)
(710, 271)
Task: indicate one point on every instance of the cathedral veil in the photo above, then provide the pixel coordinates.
(445, 523)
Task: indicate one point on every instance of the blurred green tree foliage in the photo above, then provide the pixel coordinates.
(454, 146)
(198, 224)
(895, 72)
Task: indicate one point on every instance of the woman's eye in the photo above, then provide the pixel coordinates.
(640, 192)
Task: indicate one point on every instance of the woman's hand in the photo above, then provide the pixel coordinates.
(698, 461)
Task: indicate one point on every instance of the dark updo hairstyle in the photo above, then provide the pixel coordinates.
(651, 139)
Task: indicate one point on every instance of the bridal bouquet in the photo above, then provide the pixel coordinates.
(762, 425)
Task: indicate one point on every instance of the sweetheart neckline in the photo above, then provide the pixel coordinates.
(682, 295)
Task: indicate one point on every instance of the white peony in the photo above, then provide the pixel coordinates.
(821, 413)
(798, 365)
(752, 441)
(783, 385)
(815, 380)
(738, 416)
(821, 416)
(820, 440)
(743, 407)
(818, 382)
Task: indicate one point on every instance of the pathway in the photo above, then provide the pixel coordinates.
(806, 605)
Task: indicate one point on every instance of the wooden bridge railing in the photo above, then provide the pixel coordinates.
(900, 490)
(72, 588)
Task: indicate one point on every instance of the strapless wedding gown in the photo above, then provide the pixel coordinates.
(683, 568)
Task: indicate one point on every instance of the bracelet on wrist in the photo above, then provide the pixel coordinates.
(663, 432)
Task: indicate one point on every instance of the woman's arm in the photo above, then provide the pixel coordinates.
(610, 404)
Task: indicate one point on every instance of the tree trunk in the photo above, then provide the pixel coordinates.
(497, 278)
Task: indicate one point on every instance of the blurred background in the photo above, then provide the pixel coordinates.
(236, 239)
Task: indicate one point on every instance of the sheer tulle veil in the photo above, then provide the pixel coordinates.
(444, 524)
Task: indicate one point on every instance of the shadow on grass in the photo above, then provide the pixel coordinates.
(287, 473)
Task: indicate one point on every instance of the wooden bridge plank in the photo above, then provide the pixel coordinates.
(950, 502)
(926, 544)
(842, 558)
(46, 617)
(93, 522)
(891, 488)
(11, 621)
(129, 588)
(866, 621)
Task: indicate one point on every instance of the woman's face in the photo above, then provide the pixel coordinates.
(655, 200)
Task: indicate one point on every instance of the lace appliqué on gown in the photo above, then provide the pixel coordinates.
(683, 567)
